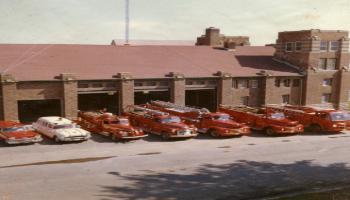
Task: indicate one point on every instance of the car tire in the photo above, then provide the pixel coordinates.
(315, 128)
(165, 136)
(213, 133)
(56, 139)
(114, 137)
(270, 132)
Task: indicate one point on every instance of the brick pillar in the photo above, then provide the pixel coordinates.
(9, 97)
(126, 90)
(225, 89)
(177, 88)
(344, 90)
(267, 90)
(69, 99)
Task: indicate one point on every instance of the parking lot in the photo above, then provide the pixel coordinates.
(250, 167)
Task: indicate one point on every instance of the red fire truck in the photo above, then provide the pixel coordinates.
(159, 123)
(314, 119)
(107, 124)
(216, 124)
(273, 123)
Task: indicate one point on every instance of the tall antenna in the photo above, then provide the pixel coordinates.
(127, 21)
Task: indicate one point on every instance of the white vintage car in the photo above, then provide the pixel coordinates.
(60, 129)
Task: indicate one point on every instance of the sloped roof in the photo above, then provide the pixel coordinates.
(44, 62)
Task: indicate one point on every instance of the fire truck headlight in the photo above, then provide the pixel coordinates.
(335, 125)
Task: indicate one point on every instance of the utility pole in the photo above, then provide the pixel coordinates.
(127, 21)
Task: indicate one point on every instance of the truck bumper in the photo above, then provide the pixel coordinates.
(74, 139)
(290, 131)
(134, 137)
(235, 132)
(24, 140)
(183, 136)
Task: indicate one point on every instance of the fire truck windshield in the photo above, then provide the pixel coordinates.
(277, 116)
(340, 116)
(15, 129)
(222, 117)
(172, 119)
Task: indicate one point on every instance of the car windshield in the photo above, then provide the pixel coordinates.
(15, 129)
(277, 116)
(172, 119)
(120, 121)
(222, 117)
(340, 116)
(64, 126)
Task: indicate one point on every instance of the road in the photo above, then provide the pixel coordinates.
(251, 167)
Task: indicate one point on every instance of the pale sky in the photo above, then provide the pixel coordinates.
(100, 21)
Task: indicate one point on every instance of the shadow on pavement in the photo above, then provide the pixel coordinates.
(240, 180)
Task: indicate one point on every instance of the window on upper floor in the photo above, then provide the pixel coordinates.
(240, 83)
(254, 83)
(298, 46)
(331, 63)
(277, 82)
(324, 46)
(286, 82)
(322, 64)
(289, 47)
(326, 98)
(327, 82)
(334, 45)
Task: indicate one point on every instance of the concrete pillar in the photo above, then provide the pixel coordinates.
(177, 88)
(9, 107)
(225, 89)
(126, 90)
(69, 96)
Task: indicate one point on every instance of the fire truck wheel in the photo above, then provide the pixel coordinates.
(315, 128)
(270, 132)
(213, 133)
(165, 136)
(114, 137)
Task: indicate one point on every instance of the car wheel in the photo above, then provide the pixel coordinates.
(213, 133)
(165, 136)
(270, 132)
(114, 137)
(315, 128)
(56, 139)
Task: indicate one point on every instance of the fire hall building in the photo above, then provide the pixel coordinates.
(308, 67)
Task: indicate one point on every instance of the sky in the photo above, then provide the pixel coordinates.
(100, 21)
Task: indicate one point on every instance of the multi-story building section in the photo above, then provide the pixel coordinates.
(323, 56)
(42, 80)
(213, 38)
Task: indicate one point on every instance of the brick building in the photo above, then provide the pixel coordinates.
(213, 38)
(38, 80)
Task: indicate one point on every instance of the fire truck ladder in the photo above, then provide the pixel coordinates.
(149, 111)
(180, 108)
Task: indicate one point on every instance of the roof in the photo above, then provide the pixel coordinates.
(29, 62)
(56, 120)
(155, 42)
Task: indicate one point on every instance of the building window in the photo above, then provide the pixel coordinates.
(286, 82)
(296, 82)
(254, 83)
(324, 46)
(289, 46)
(334, 45)
(285, 99)
(152, 83)
(189, 82)
(240, 84)
(200, 82)
(277, 82)
(327, 82)
(322, 64)
(326, 98)
(298, 46)
(245, 100)
(331, 63)
(110, 85)
(163, 83)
